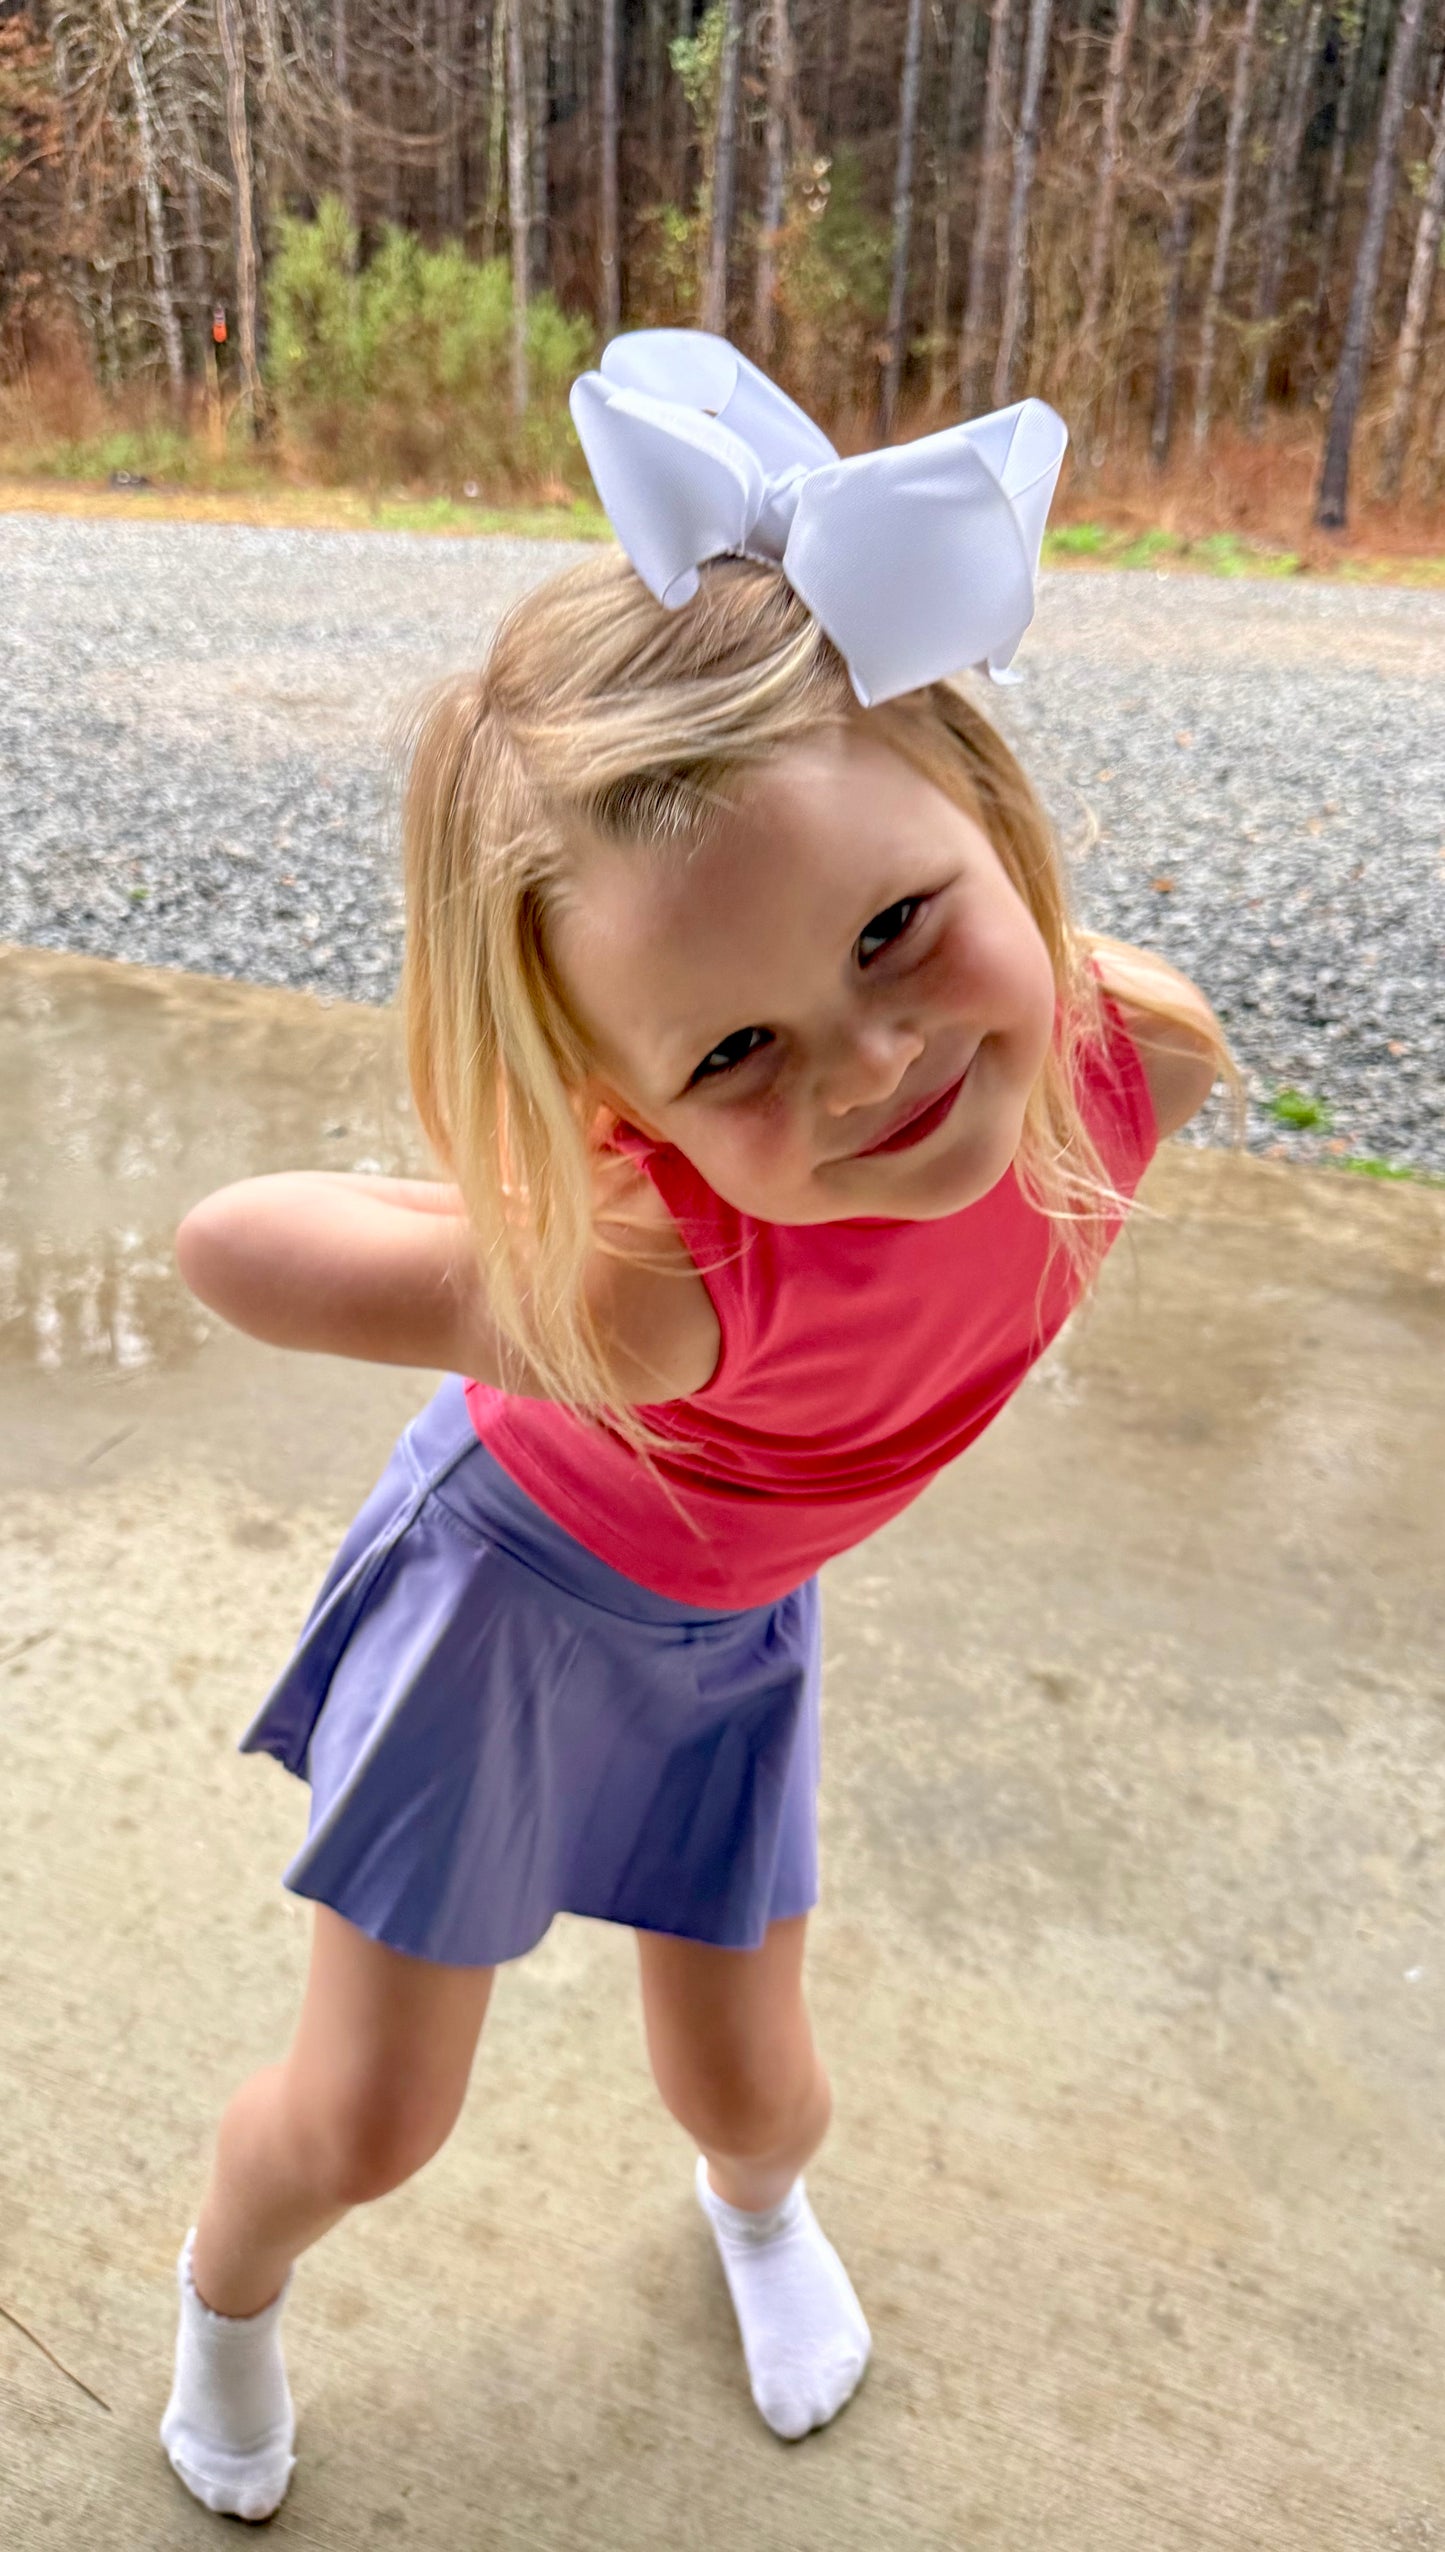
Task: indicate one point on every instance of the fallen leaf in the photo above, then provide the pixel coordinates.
(1184, 736)
(1162, 885)
(1397, 1048)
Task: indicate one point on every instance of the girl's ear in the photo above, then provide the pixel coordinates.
(604, 1107)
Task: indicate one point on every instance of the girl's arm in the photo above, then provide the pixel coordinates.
(386, 1270)
(342, 1264)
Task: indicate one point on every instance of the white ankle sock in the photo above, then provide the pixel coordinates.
(229, 2424)
(804, 2336)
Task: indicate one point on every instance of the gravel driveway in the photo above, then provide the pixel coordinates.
(195, 724)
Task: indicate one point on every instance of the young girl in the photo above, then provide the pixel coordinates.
(785, 1115)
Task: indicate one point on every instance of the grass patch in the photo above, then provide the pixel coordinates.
(1429, 572)
(1216, 553)
(1079, 540)
(1225, 554)
(1296, 1108)
(1368, 1165)
(262, 503)
(193, 483)
(1145, 549)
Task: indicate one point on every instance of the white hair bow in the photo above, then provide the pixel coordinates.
(917, 560)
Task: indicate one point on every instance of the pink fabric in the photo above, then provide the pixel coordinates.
(857, 1359)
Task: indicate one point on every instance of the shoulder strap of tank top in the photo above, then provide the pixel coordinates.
(715, 1233)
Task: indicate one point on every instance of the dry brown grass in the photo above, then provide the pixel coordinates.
(61, 439)
(1264, 492)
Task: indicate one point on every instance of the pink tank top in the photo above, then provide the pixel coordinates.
(857, 1359)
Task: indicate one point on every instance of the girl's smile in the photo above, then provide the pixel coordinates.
(835, 1004)
(916, 1123)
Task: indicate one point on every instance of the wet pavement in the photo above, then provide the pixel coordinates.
(1129, 1967)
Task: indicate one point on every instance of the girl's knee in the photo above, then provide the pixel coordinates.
(366, 2138)
(749, 2116)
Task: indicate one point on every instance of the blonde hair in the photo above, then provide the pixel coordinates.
(598, 713)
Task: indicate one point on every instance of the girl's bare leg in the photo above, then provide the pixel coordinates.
(369, 2092)
(733, 2056)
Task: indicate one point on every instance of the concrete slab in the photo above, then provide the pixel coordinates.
(1129, 1969)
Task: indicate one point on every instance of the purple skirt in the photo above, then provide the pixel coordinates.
(497, 1727)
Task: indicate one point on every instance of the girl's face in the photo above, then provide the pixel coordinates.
(835, 1005)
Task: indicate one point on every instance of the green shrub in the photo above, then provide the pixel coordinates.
(1146, 547)
(315, 355)
(1224, 554)
(833, 262)
(403, 366)
(1076, 540)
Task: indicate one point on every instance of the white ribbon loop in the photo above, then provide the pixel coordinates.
(917, 560)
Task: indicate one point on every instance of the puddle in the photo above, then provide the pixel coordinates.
(125, 1095)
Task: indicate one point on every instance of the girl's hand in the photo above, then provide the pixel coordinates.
(344, 1265)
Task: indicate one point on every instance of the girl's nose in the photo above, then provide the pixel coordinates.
(869, 1064)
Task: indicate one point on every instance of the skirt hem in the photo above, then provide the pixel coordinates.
(629, 1922)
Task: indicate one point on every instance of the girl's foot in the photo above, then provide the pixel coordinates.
(803, 2332)
(229, 2424)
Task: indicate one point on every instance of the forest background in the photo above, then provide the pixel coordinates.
(370, 242)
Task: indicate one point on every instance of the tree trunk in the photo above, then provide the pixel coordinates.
(1279, 198)
(345, 119)
(1107, 180)
(193, 248)
(681, 120)
(607, 103)
(902, 216)
(461, 119)
(163, 295)
(391, 181)
(780, 82)
(656, 90)
(564, 56)
(1016, 249)
(1329, 220)
(1417, 310)
(985, 219)
(714, 314)
(519, 200)
(444, 114)
(1437, 446)
(1333, 493)
(496, 131)
(1224, 232)
(1181, 223)
(538, 49)
(73, 266)
(231, 30)
(959, 55)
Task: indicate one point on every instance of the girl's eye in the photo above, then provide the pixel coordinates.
(887, 926)
(732, 1051)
